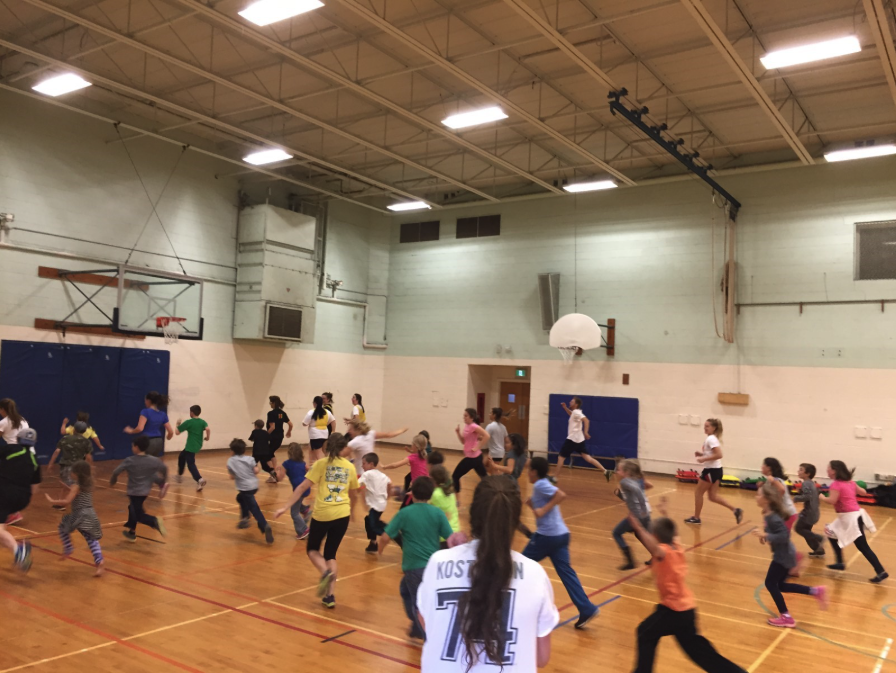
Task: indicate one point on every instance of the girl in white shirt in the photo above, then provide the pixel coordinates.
(318, 422)
(363, 441)
(482, 604)
(710, 456)
(11, 421)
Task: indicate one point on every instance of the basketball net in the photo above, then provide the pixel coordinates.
(568, 353)
(171, 328)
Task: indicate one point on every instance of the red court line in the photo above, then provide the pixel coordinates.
(242, 612)
(646, 568)
(103, 634)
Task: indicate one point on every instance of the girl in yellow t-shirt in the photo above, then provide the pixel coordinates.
(337, 485)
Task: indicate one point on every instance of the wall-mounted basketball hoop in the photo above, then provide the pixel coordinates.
(575, 333)
(171, 327)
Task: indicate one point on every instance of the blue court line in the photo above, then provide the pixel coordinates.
(600, 605)
(736, 539)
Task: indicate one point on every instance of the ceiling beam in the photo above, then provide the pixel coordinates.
(734, 60)
(880, 27)
(471, 81)
(252, 35)
(233, 86)
(193, 114)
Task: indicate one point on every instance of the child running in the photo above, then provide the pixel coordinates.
(851, 520)
(261, 450)
(70, 449)
(515, 458)
(771, 468)
(443, 497)
(777, 535)
(84, 417)
(631, 491)
(143, 471)
(474, 440)
(337, 483)
(83, 517)
(244, 470)
(19, 480)
(376, 495)
(810, 514)
(416, 458)
(363, 440)
(710, 456)
(197, 431)
(420, 528)
(295, 469)
(676, 614)
(551, 537)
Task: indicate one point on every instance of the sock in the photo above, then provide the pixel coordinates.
(67, 547)
(95, 550)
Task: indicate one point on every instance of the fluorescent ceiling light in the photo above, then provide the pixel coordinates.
(61, 84)
(483, 116)
(589, 186)
(811, 52)
(861, 153)
(266, 157)
(266, 12)
(408, 205)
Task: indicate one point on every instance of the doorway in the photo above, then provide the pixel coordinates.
(514, 400)
(502, 386)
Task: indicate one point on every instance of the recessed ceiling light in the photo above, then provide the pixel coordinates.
(266, 12)
(861, 153)
(61, 84)
(266, 157)
(811, 52)
(408, 205)
(590, 186)
(483, 116)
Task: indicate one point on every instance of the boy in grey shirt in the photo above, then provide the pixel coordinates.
(143, 471)
(810, 514)
(243, 470)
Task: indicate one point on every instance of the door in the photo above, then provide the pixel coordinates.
(515, 403)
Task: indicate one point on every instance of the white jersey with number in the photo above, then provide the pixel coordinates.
(712, 442)
(529, 612)
(575, 432)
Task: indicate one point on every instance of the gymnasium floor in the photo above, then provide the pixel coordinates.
(210, 597)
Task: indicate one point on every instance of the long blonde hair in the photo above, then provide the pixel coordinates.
(360, 426)
(717, 424)
(632, 467)
(775, 498)
(419, 443)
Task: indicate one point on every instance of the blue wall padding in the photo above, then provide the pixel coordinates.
(614, 427)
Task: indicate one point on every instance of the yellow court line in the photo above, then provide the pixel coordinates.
(879, 531)
(768, 651)
(33, 532)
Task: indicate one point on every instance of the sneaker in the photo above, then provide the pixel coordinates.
(784, 622)
(608, 474)
(329, 601)
(584, 619)
(163, 489)
(178, 478)
(59, 508)
(372, 548)
(694, 520)
(160, 526)
(552, 479)
(880, 577)
(816, 554)
(200, 484)
(738, 515)
(272, 479)
(14, 518)
(821, 595)
(303, 535)
(836, 566)
(324, 585)
(243, 523)
(23, 556)
(129, 535)
(268, 534)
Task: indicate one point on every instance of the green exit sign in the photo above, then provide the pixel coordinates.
(521, 373)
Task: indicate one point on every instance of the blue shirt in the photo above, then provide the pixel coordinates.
(296, 472)
(551, 523)
(154, 422)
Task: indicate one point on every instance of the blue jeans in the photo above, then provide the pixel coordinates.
(249, 505)
(624, 527)
(408, 589)
(556, 547)
(298, 520)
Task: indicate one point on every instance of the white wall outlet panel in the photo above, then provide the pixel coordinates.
(877, 433)
(861, 431)
(695, 420)
(682, 419)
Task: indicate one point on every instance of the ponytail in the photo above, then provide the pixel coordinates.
(158, 399)
(472, 413)
(774, 466)
(775, 498)
(12, 412)
(443, 480)
(319, 411)
(494, 517)
(335, 443)
(276, 401)
(717, 426)
(360, 404)
(841, 472)
(419, 444)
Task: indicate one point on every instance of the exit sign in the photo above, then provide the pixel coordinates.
(521, 373)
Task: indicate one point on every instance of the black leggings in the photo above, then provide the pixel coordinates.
(861, 543)
(466, 465)
(333, 531)
(683, 625)
(777, 585)
(265, 461)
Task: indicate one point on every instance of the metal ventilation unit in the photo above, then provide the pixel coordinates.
(549, 296)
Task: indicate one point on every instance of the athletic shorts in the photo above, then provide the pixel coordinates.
(12, 501)
(156, 447)
(570, 447)
(333, 531)
(711, 474)
(317, 443)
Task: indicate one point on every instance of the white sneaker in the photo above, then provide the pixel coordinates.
(178, 478)
(201, 484)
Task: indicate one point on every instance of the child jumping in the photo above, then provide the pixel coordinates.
(376, 495)
(676, 614)
(19, 480)
(243, 471)
(810, 514)
(631, 491)
(83, 517)
(143, 471)
(197, 430)
(294, 468)
(777, 535)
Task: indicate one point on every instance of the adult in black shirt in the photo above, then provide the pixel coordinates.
(19, 479)
(277, 418)
(328, 405)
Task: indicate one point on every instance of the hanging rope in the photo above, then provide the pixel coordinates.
(149, 198)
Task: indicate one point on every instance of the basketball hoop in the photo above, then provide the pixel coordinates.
(568, 353)
(171, 328)
(573, 334)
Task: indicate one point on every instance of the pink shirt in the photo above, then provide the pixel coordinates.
(418, 466)
(471, 441)
(847, 501)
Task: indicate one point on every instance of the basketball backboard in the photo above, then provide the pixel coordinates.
(144, 296)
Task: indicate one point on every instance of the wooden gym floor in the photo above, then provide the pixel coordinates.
(213, 598)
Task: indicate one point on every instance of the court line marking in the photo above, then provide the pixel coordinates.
(617, 504)
(736, 539)
(768, 651)
(879, 531)
(883, 655)
(598, 606)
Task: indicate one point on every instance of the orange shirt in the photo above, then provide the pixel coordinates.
(670, 580)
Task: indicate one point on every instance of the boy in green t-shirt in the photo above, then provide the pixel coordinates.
(421, 526)
(197, 430)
